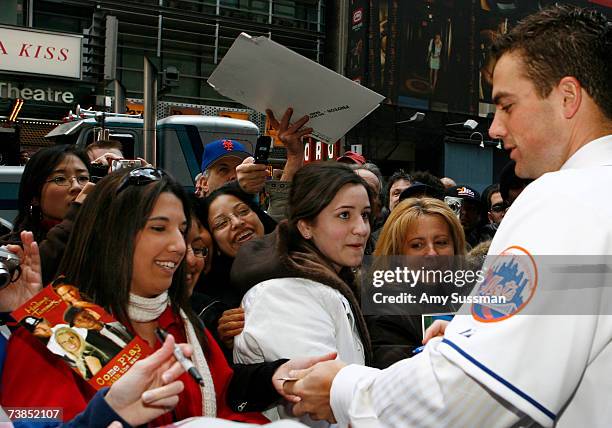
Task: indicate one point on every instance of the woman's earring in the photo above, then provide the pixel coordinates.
(35, 212)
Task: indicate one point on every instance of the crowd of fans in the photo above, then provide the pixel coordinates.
(252, 291)
(265, 289)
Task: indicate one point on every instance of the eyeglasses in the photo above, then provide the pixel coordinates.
(498, 208)
(199, 252)
(140, 176)
(60, 180)
(223, 221)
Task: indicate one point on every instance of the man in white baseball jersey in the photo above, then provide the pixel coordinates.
(518, 367)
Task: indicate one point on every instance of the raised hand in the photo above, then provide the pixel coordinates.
(290, 134)
(29, 282)
(251, 176)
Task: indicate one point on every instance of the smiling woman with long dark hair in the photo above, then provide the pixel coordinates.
(127, 253)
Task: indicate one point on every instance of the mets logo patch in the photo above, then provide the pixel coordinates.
(228, 145)
(510, 281)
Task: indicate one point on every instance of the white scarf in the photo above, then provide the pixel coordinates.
(143, 309)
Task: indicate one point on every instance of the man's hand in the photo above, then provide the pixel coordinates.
(149, 389)
(296, 364)
(251, 176)
(230, 324)
(107, 159)
(437, 328)
(313, 388)
(144, 163)
(29, 282)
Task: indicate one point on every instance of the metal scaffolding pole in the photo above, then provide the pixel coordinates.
(150, 119)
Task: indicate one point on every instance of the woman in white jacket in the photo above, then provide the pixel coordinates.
(302, 298)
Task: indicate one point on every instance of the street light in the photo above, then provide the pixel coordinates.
(469, 124)
(417, 117)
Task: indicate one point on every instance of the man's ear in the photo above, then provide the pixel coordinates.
(204, 184)
(571, 92)
(305, 229)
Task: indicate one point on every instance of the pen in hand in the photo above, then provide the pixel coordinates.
(180, 357)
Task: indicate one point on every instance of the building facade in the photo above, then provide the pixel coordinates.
(184, 40)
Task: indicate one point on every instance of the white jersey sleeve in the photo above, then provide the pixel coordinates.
(424, 391)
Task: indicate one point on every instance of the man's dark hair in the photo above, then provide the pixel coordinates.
(71, 314)
(398, 175)
(485, 198)
(564, 41)
(431, 180)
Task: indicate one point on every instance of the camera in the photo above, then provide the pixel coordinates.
(126, 164)
(9, 263)
(97, 171)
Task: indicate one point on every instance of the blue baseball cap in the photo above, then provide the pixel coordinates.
(221, 148)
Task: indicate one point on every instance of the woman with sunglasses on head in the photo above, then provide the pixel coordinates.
(233, 219)
(53, 186)
(130, 261)
(302, 297)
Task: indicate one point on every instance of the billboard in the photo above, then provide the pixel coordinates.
(40, 52)
(357, 41)
(433, 54)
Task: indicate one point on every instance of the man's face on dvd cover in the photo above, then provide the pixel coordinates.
(85, 320)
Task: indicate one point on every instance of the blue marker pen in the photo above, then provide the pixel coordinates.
(418, 350)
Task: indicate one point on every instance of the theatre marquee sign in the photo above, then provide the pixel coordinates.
(51, 54)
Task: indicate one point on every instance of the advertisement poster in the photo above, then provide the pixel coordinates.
(356, 64)
(81, 333)
(434, 54)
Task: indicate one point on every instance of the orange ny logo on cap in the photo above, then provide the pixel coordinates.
(228, 145)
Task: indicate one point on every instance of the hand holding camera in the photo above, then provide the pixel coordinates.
(110, 162)
(119, 164)
(19, 288)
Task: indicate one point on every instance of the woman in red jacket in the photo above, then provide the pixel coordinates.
(126, 252)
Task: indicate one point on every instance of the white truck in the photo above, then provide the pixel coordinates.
(179, 147)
